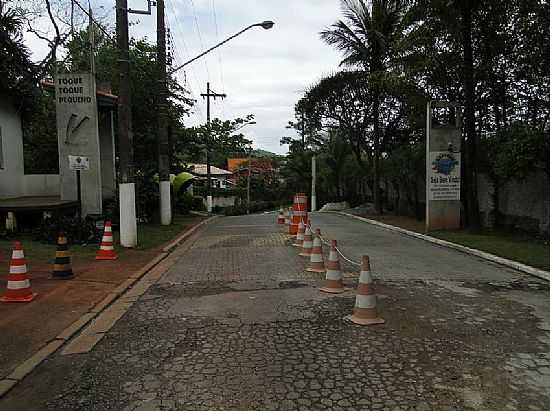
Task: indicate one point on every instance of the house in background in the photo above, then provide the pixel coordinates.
(219, 177)
(220, 180)
(258, 166)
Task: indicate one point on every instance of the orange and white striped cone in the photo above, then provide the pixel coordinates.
(300, 234)
(19, 287)
(316, 262)
(106, 249)
(307, 244)
(289, 224)
(287, 218)
(333, 280)
(364, 312)
(281, 216)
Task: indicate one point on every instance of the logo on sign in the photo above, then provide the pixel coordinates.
(444, 164)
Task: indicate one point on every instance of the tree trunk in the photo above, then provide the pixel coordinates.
(471, 203)
(376, 159)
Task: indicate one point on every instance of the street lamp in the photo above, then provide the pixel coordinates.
(266, 25)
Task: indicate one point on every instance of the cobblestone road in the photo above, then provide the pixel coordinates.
(236, 324)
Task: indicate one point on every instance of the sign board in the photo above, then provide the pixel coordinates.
(443, 171)
(444, 176)
(77, 134)
(79, 163)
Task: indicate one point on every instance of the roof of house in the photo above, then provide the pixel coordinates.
(200, 170)
(234, 164)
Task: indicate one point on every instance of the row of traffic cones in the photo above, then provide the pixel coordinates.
(310, 244)
(19, 288)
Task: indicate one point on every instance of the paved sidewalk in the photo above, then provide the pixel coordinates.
(236, 324)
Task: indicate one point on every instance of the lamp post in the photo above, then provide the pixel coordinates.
(266, 25)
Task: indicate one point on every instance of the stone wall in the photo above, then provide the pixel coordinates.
(522, 205)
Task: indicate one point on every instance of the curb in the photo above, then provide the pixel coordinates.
(542, 274)
(27, 366)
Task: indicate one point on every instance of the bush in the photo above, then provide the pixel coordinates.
(255, 207)
(77, 232)
(185, 202)
(198, 204)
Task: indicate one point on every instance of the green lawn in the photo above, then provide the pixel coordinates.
(149, 236)
(529, 251)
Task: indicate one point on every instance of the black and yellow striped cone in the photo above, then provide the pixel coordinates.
(62, 267)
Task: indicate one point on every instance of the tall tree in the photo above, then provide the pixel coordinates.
(368, 36)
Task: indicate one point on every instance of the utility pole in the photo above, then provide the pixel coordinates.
(313, 178)
(163, 145)
(208, 143)
(303, 132)
(127, 191)
(248, 183)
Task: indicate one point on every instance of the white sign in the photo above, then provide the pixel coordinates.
(444, 176)
(79, 163)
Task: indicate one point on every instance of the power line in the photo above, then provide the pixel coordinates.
(181, 38)
(199, 34)
(214, 14)
(94, 20)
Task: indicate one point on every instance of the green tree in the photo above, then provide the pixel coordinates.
(18, 75)
(225, 140)
(368, 37)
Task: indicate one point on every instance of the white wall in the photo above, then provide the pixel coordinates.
(525, 204)
(40, 185)
(12, 151)
(222, 201)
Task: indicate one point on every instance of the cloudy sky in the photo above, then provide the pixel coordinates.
(263, 72)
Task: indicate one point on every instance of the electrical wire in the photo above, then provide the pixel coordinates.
(214, 15)
(181, 38)
(200, 35)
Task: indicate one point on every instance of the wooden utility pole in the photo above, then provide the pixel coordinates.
(208, 142)
(128, 224)
(163, 145)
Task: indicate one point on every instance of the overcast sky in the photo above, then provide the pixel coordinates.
(263, 72)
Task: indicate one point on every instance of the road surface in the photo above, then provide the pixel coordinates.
(235, 323)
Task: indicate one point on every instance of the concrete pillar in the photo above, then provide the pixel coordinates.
(128, 225)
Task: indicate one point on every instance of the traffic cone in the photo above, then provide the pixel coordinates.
(287, 216)
(290, 213)
(364, 312)
(333, 280)
(281, 216)
(300, 235)
(307, 244)
(106, 250)
(62, 267)
(19, 286)
(316, 263)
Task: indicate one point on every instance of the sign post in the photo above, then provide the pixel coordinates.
(79, 163)
(443, 165)
(78, 133)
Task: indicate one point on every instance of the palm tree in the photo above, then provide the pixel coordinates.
(367, 36)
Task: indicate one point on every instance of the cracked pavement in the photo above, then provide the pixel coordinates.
(237, 324)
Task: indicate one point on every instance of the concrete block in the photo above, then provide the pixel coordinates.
(72, 329)
(5, 386)
(31, 363)
(82, 344)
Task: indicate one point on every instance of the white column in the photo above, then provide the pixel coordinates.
(165, 204)
(128, 223)
(209, 203)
